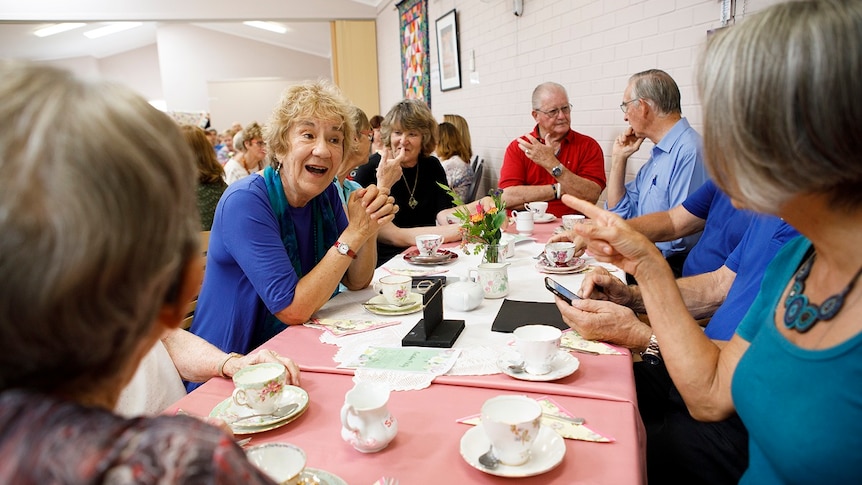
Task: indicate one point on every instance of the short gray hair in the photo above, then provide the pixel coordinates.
(779, 113)
(540, 91)
(96, 230)
(657, 86)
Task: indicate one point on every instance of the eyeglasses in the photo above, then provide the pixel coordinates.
(624, 106)
(368, 133)
(556, 111)
(259, 143)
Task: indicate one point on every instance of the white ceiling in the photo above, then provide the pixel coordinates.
(17, 39)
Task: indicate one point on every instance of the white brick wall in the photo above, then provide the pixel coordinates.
(590, 47)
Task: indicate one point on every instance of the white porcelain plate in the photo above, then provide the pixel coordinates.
(544, 218)
(563, 365)
(576, 265)
(230, 411)
(379, 306)
(547, 452)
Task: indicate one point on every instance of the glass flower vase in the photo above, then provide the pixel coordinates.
(494, 253)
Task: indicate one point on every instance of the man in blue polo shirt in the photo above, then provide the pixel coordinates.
(651, 105)
(679, 448)
(709, 210)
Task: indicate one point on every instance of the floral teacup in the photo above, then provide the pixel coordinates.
(396, 289)
(260, 387)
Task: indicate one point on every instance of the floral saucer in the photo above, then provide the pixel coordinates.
(317, 476)
(443, 256)
(547, 452)
(229, 411)
(380, 306)
(576, 265)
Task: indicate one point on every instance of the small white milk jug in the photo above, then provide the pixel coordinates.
(365, 421)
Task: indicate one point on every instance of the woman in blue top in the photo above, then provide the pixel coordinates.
(783, 136)
(281, 241)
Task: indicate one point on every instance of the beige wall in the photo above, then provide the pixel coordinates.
(354, 62)
(590, 47)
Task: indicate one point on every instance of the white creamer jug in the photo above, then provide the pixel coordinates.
(365, 421)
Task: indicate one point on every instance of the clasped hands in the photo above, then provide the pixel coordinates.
(370, 208)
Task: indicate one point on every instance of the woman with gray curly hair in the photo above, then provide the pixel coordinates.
(781, 136)
(281, 241)
(98, 259)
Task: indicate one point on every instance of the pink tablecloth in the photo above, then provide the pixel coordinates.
(426, 449)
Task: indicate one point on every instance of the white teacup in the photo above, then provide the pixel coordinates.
(559, 253)
(512, 424)
(538, 345)
(282, 462)
(538, 208)
(396, 289)
(569, 220)
(523, 222)
(428, 244)
(260, 387)
(508, 240)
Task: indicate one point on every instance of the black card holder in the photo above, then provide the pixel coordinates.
(433, 330)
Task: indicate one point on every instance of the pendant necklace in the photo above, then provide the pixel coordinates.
(412, 202)
(800, 314)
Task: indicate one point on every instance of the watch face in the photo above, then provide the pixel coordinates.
(343, 248)
(651, 358)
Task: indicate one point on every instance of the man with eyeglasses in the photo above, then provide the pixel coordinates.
(553, 159)
(651, 105)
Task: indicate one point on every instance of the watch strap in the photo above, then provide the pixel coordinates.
(344, 249)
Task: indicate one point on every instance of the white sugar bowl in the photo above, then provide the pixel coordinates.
(463, 296)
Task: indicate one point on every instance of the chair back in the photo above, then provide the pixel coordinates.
(474, 162)
(205, 244)
(477, 179)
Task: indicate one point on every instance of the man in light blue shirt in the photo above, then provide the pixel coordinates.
(651, 105)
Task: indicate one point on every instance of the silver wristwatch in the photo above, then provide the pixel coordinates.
(558, 170)
(652, 354)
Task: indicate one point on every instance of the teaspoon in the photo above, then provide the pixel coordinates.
(488, 460)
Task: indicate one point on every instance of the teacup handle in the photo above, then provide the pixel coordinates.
(239, 397)
(470, 274)
(347, 410)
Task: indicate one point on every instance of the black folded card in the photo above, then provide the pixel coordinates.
(514, 314)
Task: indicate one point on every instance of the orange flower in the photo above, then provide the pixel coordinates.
(477, 217)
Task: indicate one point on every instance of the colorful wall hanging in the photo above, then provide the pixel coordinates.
(415, 68)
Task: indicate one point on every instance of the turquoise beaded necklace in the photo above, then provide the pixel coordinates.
(800, 314)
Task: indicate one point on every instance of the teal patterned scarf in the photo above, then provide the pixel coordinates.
(324, 232)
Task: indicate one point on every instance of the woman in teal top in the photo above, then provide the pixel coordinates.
(783, 136)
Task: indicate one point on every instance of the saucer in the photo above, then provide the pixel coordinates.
(544, 218)
(563, 365)
(380, 306)
(230, 411)
(321, 477)
(576, 265)
(443, 256)
(547, 452)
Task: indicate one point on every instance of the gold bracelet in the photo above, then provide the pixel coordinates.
(229, 357)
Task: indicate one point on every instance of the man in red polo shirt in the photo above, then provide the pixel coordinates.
(552, 160)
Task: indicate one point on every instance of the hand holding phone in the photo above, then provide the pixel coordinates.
(560, 290)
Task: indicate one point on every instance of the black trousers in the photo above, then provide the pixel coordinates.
(681, 449)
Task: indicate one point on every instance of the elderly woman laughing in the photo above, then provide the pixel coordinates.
(281, 241)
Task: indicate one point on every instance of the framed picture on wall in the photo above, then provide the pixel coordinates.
(448, 60)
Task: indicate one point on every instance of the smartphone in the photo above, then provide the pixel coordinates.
(560, 290)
